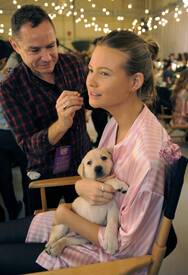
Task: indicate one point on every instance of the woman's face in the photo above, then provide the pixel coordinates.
(108, 84)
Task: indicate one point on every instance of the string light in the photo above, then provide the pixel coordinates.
(185, 2)
(67, 8)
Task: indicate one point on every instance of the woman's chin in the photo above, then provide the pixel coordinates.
(94, 104)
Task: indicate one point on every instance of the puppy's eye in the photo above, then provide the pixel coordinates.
(89, 162)
(104, 158)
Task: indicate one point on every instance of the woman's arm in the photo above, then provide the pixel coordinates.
(76, 223)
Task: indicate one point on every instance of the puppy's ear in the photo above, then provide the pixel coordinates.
(81, 170)
(110, 150)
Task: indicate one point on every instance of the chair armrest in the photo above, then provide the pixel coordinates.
(117, 267)
(179, 126)
(54, 182)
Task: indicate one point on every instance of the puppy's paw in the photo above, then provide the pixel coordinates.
(122, 190)
(120, 186)
(57, 232)
(110, 243)
(56, 248)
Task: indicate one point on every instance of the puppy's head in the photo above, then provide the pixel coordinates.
(96, 164)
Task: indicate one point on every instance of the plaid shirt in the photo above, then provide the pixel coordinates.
(29, 108)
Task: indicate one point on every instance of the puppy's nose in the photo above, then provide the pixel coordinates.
(99, 170)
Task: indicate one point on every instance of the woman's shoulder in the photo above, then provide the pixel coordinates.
(154, 143)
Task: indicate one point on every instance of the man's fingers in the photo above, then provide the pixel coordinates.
(69, 110)
(67, 94)
(69, 103)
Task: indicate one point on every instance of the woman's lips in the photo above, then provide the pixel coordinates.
(91, 93)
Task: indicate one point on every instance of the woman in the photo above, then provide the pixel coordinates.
(120, 71)
(180, 99)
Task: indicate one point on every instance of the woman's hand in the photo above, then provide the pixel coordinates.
(95, 192)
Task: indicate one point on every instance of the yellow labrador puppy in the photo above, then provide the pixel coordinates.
(96, 165)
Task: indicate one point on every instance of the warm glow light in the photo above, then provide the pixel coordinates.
(68, 8)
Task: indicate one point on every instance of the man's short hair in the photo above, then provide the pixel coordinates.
(28, 14)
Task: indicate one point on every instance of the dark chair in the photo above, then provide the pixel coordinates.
(163, 100)
(165, 241)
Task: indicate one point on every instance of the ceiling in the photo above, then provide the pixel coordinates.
(91, 13)
(115, 6)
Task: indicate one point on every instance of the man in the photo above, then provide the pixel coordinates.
(41, 100)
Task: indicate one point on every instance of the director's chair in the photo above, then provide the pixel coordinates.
(163, 245)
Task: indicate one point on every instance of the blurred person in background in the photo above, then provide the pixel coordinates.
(180, 100)
(5, 52)
(10, 153)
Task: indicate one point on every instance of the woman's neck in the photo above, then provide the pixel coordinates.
(125, 117)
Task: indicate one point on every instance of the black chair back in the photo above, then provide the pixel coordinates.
(173, 186)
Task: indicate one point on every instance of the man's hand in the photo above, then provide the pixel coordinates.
(67, 104)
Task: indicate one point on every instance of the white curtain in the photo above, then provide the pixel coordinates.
(173, 38)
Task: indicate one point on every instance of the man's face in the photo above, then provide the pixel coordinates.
(37, 47)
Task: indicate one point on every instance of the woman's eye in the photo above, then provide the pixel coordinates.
(89, 162)
(104, 158)
(104, 73)
(90, 70)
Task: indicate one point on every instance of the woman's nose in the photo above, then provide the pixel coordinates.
(91, 80)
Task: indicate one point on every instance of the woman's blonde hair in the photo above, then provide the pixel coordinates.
(140, 55)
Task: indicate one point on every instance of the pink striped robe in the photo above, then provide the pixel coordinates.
(139, 160)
